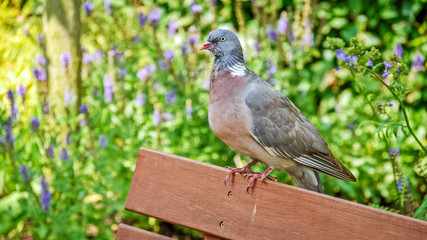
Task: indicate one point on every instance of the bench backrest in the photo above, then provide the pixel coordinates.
(192, 194)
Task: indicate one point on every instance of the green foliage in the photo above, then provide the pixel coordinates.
(349, 106)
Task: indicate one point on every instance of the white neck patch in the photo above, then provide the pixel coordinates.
(237, 69)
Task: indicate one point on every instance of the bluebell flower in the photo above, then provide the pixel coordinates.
(108, 7)
(145, 72)
(168, 116)
(10, 95)
(41, 60)
(40, 73)
(369, 63)
(88, 58)
(353, 59)
(399, 185)
(140, 99)
(142, 19)
(40, 38)
(102, 141)
(162, 64)
(193, 38)
(338, 68)
(398, 50)
(168, 54)
(172, 27)
(63, 155)
(418, 61)
(108, 88)
(395, 152)
(45, 108)
(188, 111)
(398, 71)
(122, 72)
(196, 9)
(272, 69)
(170, 97)
(257, 47)
(68, 138)
(65, 58)
(99, 56)
(389, 104)
(25, 173)
(156, 117)
(21, 90)
(45, 196)
(387, 65)
(272, 34)
(341, 55)
(35, 123)
(184, 49)
(154, 17)
(68, 96)
(282, 24)
(50, 151)
(88, 7)
(83, 109)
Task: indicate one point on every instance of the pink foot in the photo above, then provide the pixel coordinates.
(253, 176)
(243, 170)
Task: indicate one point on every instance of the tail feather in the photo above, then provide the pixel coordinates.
(306, 178)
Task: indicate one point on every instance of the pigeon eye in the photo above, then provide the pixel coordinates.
(223, 38)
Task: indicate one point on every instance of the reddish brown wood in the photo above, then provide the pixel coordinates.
(190, 193)
(211, 237)
(126, 232)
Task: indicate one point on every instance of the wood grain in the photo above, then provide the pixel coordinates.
(191, 193)
(126, 232)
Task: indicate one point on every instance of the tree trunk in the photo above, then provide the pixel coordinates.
(61, 23)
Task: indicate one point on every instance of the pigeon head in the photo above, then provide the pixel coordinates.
(222, 42)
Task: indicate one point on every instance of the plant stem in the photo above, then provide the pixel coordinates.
(405, 114)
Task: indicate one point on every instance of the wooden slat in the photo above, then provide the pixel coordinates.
(126, 232)
(190, 193)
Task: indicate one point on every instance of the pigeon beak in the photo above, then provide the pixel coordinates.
(206, 45)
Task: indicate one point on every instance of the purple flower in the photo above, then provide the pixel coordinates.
(399, 185)
(418, 61)
(272, 34)
(107, 5)
(394, 152)
(387, 65)
(35, 123)
(40, 59)
(341, 55)
(140, 99)
(65, 58)
(154, 17)
(21, 90)
(83, 109)
(168, 54)
(172, 28)
(145, 72)
(108, 88)
(45, 108)
(170, 97)
(389, 104)
(353, 59)
(112, 52)
(184, 49)
(45, 196)
(64, 154)
(206, 84)
(10, 95)
(168, 116)
(193, 38)
(68, 138)
(188, 111)
(162, 64)
(282, 24)
(50, 151)
(369, 64)
(88, 7)
(398, 50)
(385, 74)
(257, 47)
(195, 9)
(68, 96)
(122, 72)
(308, 39)
(99, 55)
(142, 19)
(102, 141)
(40, 38)
(156, 117)
(25, 173)
(88, 58)
(272, 69)
(40, 73)
(338, 68)
(398, 71)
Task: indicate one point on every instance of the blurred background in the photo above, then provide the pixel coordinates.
(85, 84)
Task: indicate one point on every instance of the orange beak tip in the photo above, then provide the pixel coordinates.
(205, 46)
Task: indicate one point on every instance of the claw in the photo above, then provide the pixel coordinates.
(261, 176)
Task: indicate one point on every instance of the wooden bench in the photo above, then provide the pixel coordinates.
(192, 194)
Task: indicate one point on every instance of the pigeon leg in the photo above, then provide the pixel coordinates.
(253, 176)
(245, 169)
